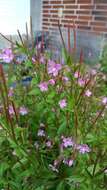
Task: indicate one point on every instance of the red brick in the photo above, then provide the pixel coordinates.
(95, 23)
(100, 29)
(101, 7)
(69, 1)
(83, 17)
(68, 12)
(84, 1)
(87, 6)
(71, 6)
(88, 14)
(55, 2)
(46, 2)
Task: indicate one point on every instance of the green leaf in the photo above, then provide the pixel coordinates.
(34, 81)
(40, 188)
(18, 164)
(3, 167)
(34, 91)
(90, 138)
(60, 186)
(76, 179)
(62, 128)
(28, 63)
(51, 96)
(90, 168)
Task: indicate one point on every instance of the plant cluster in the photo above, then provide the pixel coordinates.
(53, 133)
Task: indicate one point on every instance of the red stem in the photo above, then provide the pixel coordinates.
(81, 57)
(81, 94)
(99, 115)
(16, 115)
(69, 41)
(6, 102)
(74, 34)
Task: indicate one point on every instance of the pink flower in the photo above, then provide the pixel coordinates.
(76, 74)
(81, 82)
(68, 162)
(33, 60)
(51, 62)
(65, 79)
(56, 162)
(84, 148)
(104, 101)
(23, 110)
(88, 93)
(11, 110)
(53, 68)
(49, 144)
(43, 86)
(42, 60)
(11, 92)
(7, 55)
(52, 82)
(62, 103)
(93, 72)
(67, 142)
(41, 133)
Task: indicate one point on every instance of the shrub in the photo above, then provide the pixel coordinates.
(53, 132)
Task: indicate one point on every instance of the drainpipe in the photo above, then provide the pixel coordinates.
(36, 14)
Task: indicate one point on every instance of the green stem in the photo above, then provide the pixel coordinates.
(95, 165)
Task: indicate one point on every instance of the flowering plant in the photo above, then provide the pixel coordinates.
(103, 60)
(53, 132)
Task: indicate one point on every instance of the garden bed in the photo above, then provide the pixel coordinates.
(53, 133)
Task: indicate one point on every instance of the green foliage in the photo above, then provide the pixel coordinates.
(104, 60)
(32, 151)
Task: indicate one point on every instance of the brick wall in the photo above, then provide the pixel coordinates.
(89, 15)
(90, 18)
